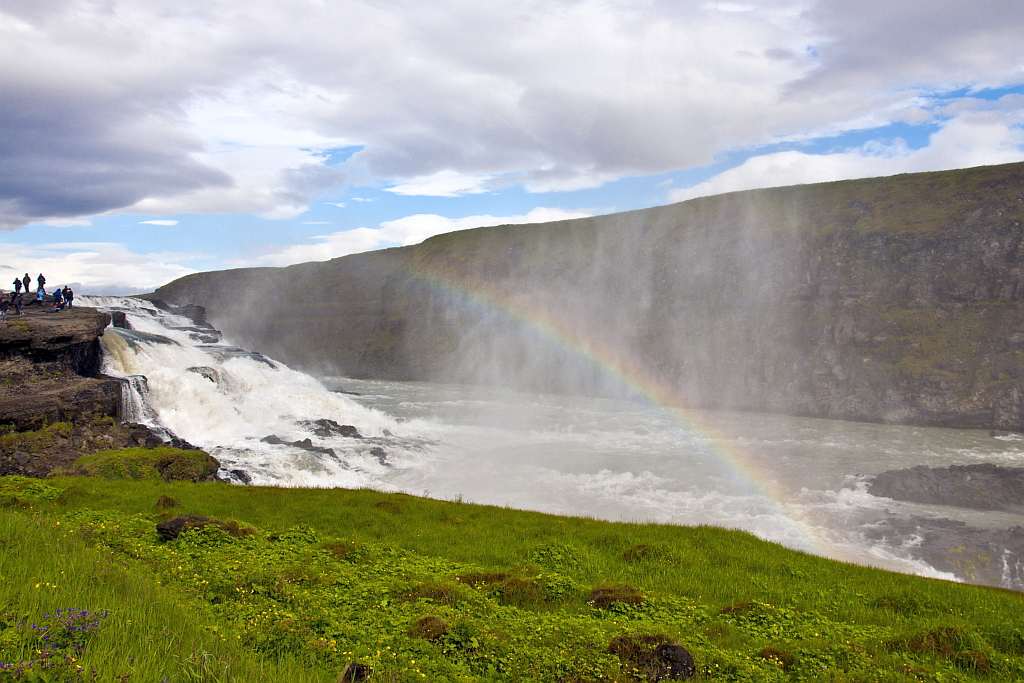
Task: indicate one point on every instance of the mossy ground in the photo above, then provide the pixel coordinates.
(171, 464)
(426, 590)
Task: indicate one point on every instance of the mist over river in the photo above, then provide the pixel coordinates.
(797, 481)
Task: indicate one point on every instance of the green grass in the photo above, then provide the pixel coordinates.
(420, 589)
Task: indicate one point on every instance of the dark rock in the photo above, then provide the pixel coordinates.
(171, 529)
(990, 557)
(204, 371)
(325, 428)
(653, 657)
(120, 319)
(380, 454)
(22, 458)
(241, 475)
(355, 673)
(305, 444)
(676, 661)
(981, 487)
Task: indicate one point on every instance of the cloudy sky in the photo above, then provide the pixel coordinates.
(141, 140)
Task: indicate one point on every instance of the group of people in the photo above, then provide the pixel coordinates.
(61, 298)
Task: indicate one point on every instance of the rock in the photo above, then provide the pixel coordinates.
(305, 444)
(120, 319)
(676, 661)
(653, 657)
(355, 673)
(22, 458)
(51, 363)
(380, 454)
(172, 529)
(990, 557)
(325, 428)
(241, 475)
(981, 487)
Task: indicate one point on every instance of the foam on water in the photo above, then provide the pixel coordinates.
(226, 400)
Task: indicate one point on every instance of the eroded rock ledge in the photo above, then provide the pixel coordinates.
(55, 405)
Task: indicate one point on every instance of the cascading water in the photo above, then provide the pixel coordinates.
(610, 459)
(266, 423)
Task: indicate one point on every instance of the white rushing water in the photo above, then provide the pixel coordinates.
(610, 459)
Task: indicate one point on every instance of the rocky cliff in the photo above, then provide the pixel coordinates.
(890, 299)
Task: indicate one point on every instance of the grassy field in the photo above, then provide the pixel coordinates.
(301, 584)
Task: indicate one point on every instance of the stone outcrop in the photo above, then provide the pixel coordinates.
(895, 300)
(55, 406)
(981, 487)
(50, 365)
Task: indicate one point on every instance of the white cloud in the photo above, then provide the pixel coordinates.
(443, 184)
(340, 205)
(974, 139)
(158, 222)
(223, 106)
(400, 232)
(94, 267)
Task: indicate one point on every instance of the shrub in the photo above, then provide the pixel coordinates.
(428, 627)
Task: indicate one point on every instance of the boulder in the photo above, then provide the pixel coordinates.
(981, 487)
(325, 428)
(170, 530)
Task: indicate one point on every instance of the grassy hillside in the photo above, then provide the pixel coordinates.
(301, 584)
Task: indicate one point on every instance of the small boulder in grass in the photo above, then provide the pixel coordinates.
(603, 597)
(355, 673)
(171, 529)
(653, 657)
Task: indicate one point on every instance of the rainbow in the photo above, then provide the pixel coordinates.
(655, 391)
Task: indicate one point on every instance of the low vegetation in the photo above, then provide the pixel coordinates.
(329, 585)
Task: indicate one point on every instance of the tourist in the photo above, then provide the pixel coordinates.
(17, 287)
(58, 298)
(69, 296)
(41, 280)
(19, 304)
(26, 281)
(4, 307)
(40, 295)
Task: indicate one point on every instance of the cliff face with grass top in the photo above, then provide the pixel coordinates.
(890, 299)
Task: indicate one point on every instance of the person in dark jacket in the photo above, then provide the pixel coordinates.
(69, 296)
(26, 281)
(17, 286)
(41, 280)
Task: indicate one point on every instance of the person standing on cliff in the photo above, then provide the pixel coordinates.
(69, 296)
(17, 287)
(41, 280)
(4, 306)
(19, 304)
(26, 281)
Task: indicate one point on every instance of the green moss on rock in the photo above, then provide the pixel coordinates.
(168, 464)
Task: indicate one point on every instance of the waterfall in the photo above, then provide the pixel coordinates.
(265, 422)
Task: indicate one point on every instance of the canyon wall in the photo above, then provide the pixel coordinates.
(891, 300)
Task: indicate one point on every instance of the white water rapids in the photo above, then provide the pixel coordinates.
(610, 459)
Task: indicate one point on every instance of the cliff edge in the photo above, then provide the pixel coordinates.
(895, 300)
